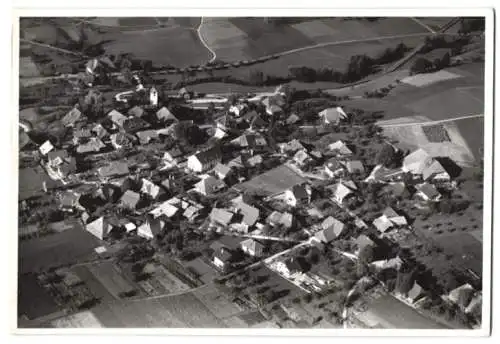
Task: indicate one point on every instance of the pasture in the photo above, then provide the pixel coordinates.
(472, 130)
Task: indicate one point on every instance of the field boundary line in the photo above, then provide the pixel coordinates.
(429, 122)
(419, 22)
(53, 47)
(202, 40)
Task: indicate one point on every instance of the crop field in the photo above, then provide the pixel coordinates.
(248, 38)
(422, 80)
(68, 247)
(272, 182)
(33, 300)
(175, 311)
(175, 46)
(389, 312)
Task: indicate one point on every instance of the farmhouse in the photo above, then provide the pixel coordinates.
(436, 172)
(46, 147)
(277, 218)
(301, 158)
(222, 255)
(250, 213)
(222, 171)
(332, 115)
(363, 241)
(417, 162)
(221, 217)
(204, 160)
(415, 293)
(173, 155)
(150, 188)
(462, 295)
(134, 124)
(292, 266)
(333, 168)
(120, 140)
(341, 193)
(146, 136)
(250, 141)
(167, 209)
(354, 166)
(297, 195)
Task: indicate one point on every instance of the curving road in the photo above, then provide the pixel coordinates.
(429, 122)
(202, 40)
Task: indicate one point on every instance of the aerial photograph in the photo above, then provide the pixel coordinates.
(251, 172)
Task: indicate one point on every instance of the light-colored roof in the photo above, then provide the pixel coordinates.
(99, 228)
(250, 214)
(284, 219)
(332, 228)
(115, 168)
(117, 117)
(362, 241)
(71, 117)
(93, 145)
(415, 291)
(46, 147)
(433, 169)
(150, 188)
(252, 245)
(221, 216)
(428, 190)
(250, 140)
(341, 191)
(340, 147)
(145, 136)
(165, 114)
(165, 208)
(136, 111)
(208, 155)
(130, 198)
(417, 161)
(354, 166)
(333, 115)
(301, 156)
(382, 223)
(209, 185)
(222, 170)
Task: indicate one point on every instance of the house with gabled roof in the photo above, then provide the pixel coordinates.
(291, 146)
(331, 229)
(354, 166)
(250, 141)
(221, 217)
(114, 169)
(167, 209)
(117, 118)
(150, 188)
(341, 192)
(250, 213)
(193, 211)
(130, 199)
(462, 295)
(238, 162)
(135, 124)
(151, 227)
(204, 160)
(362, 241)
(334, 168)
(415, 293)
(46, 147)
(222, 257)
(209, 186)
(100, 228)
(382, 223)
(301, 158)
(340, 148)
(333, 115)
(222, 171)
(120, 140)
(252, 247)
(146, 136)
(165, 115)
(427, 192)
(298, 195)
(100, 131)
(60, 164)
(417, 161)
(435, 172)
(94, 145)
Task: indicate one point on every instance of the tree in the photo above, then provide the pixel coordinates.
(405, 280)
(366, 254)
(421, 65)
(385, 155)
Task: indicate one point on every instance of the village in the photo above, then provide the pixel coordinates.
(218, 190)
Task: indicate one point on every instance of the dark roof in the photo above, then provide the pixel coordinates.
(58, 154)
(134, 124)
(300, 192)
(209, 155)
(136, 111)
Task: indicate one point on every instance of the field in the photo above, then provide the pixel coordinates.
(272, 182)
(248, 38)
(31, 182)
(422, 80)
(68, 247)
(388, 312)
(175, 46)
(176, 311)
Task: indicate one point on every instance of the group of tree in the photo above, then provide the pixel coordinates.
(423, 65)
